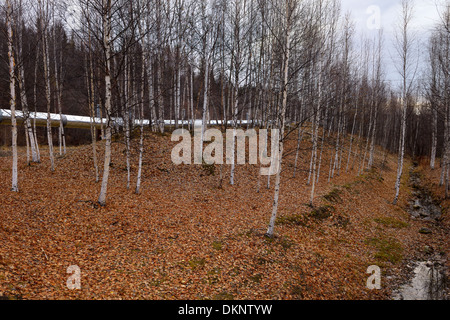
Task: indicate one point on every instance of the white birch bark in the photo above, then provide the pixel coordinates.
(237, 70)
(404, 49)
(207, 53)
(282, 115)
(36, 65)
(434, 140)
(144, 62)
(48, 96)
(106, 22)
(315, 138)
(91, 100)
(12, 89)
(322, 144)
(31, 141)
(401, 153)
(127, 111)
(352, 138)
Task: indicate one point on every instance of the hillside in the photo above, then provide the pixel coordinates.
(185, 237)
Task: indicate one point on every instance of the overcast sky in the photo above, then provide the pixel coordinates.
(425, 16)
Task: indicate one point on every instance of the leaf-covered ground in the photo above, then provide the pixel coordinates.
(184, 237)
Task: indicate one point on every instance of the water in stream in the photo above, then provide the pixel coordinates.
(428, 283)
(428, 280)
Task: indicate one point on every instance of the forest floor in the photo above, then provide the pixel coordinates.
(187, 237)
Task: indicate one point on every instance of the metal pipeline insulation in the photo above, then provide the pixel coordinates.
(69, 121)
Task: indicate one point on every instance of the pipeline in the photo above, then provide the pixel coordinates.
(69, 121)
(81, 122)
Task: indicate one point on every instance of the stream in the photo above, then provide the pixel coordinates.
(427, 280)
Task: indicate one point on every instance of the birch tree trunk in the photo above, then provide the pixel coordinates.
(282, 113)
(404, 50)
(205, 102)
(434, 140)
(352, 138)
(322, 144)
(299, 141)
(401, 153)
(443, 58)
(315, 138)
(237, 71)
(159, 66)
(106, 22)
(206, 33)
(148, 63)
(58, 88)
(91, 100)
(12, 90)
(378, 91)
(144, 62)
(191, 96)
(36, 65)
(127, 110)
(372, 144)
(23, 95)
(48, 95)
(364, 155)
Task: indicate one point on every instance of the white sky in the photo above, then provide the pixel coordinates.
(425, 16)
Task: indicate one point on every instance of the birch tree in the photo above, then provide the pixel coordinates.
(236, 18)
(144, 66)
(58, 70)
(207, 38)
(407, 69)
(12, 91)
(44, 24)
(378, 94)
(21, 83)
(91, 94)
(106, 28)
(287, 8)
(441, 93)
(433, 96)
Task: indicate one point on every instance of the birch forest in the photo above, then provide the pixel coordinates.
(95, 93)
